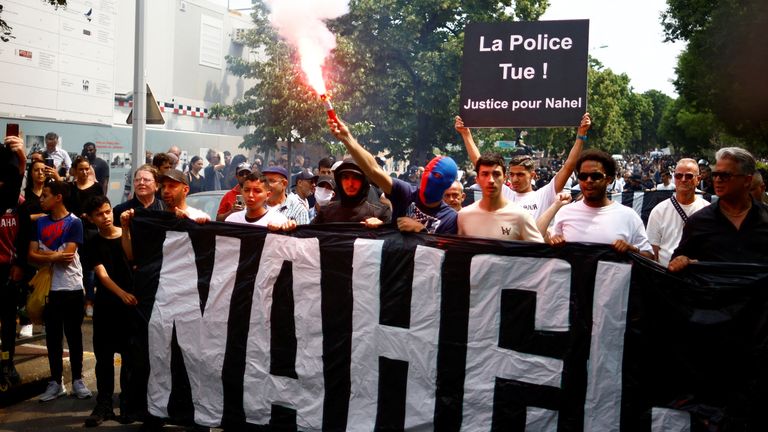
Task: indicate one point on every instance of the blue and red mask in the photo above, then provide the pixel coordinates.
(439, 175)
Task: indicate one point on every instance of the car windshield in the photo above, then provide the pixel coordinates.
(206, 201)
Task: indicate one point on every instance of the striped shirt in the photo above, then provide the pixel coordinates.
(294, 208)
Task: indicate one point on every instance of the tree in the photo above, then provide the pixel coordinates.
(6, 30)
(394, 74)
(280, 106)
(619, 115)
(650, 129)
(723, 69)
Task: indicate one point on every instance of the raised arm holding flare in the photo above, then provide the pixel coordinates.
(414, 209)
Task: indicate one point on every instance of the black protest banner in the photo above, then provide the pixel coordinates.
(524, 74)
(339, 328)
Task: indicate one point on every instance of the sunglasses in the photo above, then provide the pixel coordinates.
(724, 176)
(595, 176)
(687, 176)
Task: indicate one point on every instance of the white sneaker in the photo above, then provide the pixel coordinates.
(53, 391)
(89, 310)
(26, 331)
(80, 390)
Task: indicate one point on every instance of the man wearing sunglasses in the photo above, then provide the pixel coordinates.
(521, 171)
(597, 219)
(665, 224)
(733, 229)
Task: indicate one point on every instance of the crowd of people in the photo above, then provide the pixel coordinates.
(74, 229)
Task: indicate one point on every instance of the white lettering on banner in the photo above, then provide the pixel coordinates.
(202, 338)
(550, 279)
(370, 340)
(261, 389)
(602, 408)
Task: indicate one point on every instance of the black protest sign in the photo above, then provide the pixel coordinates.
(524, 74)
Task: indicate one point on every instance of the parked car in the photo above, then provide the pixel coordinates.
(206, 201)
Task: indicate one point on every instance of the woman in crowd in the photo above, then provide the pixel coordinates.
(194, 176)
(81, 190)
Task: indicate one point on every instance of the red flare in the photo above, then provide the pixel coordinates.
(328, 107)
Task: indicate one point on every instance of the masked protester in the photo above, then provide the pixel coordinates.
(324, 191)
(352, 204)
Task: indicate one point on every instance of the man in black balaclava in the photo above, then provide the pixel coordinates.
(352, 205)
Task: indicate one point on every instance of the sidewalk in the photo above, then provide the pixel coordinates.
(22, 412)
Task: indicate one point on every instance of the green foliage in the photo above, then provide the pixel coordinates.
(622, 119)
(279, 105)
(650, 130)
(723, 69)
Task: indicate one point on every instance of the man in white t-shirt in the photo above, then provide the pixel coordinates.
(494, 216)
(665, 224)
(597, 219)
(666, 181)
(255, 192)
(521, 171)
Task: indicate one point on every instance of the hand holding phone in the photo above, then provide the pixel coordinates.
(12, 129)
(239, 201)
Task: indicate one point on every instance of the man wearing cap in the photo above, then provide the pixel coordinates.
(324, 191)
(353, 205)
(277, 181)
(229, 204)
(174, 190)
(414, 208)
(305, 188)
(521, 171)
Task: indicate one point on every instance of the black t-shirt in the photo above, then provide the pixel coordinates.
(109, 253)
(78, 197)
(101, 169)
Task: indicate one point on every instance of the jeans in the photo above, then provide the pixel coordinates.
(63, 316)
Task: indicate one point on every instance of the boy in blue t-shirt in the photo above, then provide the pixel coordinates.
(56, 241)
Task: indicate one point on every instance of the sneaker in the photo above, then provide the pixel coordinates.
(26, 331)
(80, 390)
(89, 310)
(100, 414)
(53, 391)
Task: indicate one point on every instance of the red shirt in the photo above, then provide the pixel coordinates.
(228, 200)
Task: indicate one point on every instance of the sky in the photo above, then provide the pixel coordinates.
(625, 35)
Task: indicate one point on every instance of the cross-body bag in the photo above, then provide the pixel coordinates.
(679, 209)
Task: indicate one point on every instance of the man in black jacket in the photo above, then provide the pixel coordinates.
(352, 204)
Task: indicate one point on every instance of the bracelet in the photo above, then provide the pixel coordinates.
(581, 137)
